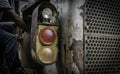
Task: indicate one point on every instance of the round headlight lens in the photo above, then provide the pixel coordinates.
(47, 55)
(47, 13)
(47, 36)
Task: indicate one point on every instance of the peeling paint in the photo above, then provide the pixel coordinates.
(76, 32)
(76, 28)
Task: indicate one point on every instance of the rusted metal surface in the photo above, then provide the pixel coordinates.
(76, 32)
(65, 58)
(77, 47)
(71, 20)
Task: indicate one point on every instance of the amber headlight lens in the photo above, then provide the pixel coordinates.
(47, 36)
(47, 55)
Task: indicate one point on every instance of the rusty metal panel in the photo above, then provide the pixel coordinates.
(64, 54)
(71, 31)
(76, 34)
(102, 37)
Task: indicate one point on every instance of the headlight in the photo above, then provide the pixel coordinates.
(47, 13)
(47, 55)
(47, 36)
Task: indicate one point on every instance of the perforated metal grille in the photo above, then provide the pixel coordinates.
(102, 55)
(103, 16)
(102, 37)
